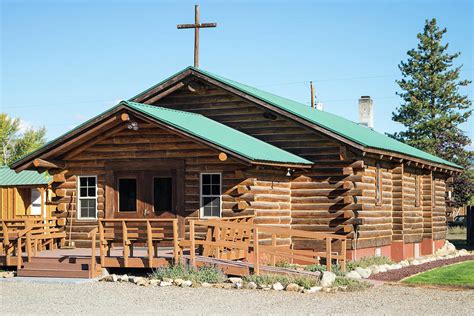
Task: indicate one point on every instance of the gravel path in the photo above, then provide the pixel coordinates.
(115, 298)
(397, 275)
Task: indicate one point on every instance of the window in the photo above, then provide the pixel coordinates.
(127, 195)
(87, 197)
(210, 194)
(378, 185)
(162, 195)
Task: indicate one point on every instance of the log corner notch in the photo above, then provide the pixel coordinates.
(125, 117)
(51, 164)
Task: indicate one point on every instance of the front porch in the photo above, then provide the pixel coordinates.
(236, 245)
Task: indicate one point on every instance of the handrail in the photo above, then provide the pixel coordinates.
(127, 243)
(272, 249)
(92, 234)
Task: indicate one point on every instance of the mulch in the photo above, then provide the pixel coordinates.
(397, 275)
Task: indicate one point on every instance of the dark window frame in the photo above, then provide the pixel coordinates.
(203, 196)
(82, 198)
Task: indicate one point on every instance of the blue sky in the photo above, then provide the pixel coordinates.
(64, 61)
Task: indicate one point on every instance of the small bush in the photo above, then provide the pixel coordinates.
(351, 284)
(269, 279)
(367, 262)
(209, 274)
(320, 268)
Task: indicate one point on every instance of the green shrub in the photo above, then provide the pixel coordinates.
(351, 284)
(209, 274)
(320, 268)
(367, 262)
(269, 279)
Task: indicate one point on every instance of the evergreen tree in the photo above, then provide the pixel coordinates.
(433, 107)
(14, 144)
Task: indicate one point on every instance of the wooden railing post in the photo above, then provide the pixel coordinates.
(218, 237)
(149, 238)
(274, 244)
(256, 264)
(93, 254)
(125, 245)
(175, 242)
(101, 243)
(18, 253)
(192, 249)
(328, 254)
(343, 253)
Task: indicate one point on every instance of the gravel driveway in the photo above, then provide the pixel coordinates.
(114, 298)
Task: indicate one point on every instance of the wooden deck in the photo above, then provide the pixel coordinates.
(230, 244)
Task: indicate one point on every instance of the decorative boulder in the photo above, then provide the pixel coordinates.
(235, 280)
(277, 286)
(313, 289)
(404, 263)
(205, 284)
(187, 283)
(374, 269)
(353, 275)
(251, 285)
(178, 282)
(292, 287)
(123, 278)
(327, 279)
(364, 273)
(165, 283)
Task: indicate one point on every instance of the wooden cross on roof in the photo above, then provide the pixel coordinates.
(196, 26)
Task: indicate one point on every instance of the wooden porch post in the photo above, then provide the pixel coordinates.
(256, 264)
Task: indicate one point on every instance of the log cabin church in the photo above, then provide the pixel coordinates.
(198, 145)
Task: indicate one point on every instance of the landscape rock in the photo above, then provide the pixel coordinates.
(154, 282)
(463, 252)
(237, 285)
(7, 274)
(277, 286)
(396, 266)
(178, 282)
(167, 280)
(353, 275)
(374, 269)
(206, 285)
(327, 278)
(415, 262)
(364, 273)
(142, 282)
(404, 263)
(123, 278)
(235, 280)
(313, 289)
(109, 278)
(165, 283)
(251, 285)
(292, 287)
(382, 268)
(187, 283)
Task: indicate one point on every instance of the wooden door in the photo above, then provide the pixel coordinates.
(161, 194)
(129, 194)
(145, 194)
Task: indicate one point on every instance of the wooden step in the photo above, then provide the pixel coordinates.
(48, 273)
(59, 267)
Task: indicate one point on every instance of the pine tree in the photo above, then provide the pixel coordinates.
(433, 107)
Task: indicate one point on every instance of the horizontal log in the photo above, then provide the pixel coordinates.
(51, 164)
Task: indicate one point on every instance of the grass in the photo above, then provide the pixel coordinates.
(367, 262)
(456, 275)
(351, 284)
(269, 279)
(207, 274)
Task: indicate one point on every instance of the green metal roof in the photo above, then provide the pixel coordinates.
(9, 177)
(346, 128)
(219, 134)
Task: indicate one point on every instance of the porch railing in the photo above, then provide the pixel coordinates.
(129, 232)
(28, 235)
(231, 240)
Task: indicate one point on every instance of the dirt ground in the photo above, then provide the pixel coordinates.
(28, 298)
